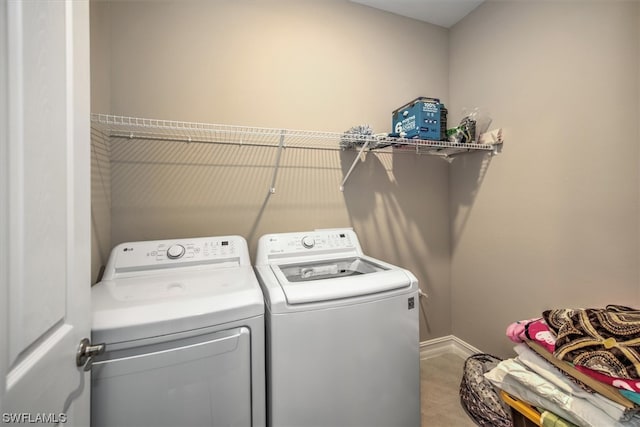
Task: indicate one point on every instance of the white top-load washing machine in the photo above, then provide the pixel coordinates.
(183, 324)
(342, 333)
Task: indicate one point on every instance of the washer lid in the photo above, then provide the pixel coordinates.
(169, 302)
(324, 280)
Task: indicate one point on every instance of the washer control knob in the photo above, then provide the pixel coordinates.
(308, 242)
(175, 251)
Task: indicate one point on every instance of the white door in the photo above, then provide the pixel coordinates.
(44, 210)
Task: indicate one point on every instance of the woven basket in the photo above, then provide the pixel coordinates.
(478, 397)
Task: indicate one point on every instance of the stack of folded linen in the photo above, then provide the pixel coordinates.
(581, 365)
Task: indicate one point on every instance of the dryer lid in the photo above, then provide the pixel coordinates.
(171, 302)
(324, 280)
(162, 287)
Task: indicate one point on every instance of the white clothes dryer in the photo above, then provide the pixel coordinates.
(183, 324)
(342, 333)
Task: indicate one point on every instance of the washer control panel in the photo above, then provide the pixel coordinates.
(309, 242)
(160, 253)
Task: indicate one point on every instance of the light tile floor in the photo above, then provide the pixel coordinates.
(439, 387)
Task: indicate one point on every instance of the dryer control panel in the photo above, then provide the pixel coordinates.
(307, 243)
(156, 254)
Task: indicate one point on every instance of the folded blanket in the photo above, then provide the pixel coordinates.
(540, 366)
(623, 384)
(605, 340)
(539, 331)
(631, 395)
(549, 419)
(517, 380)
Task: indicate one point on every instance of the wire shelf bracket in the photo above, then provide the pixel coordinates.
(353, 165)
(281, 146)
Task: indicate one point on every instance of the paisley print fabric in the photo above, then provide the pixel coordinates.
(605, 340)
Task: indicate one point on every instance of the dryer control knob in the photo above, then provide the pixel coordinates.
(175, 251)
(308, 242)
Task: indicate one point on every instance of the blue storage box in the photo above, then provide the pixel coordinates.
(423, 118)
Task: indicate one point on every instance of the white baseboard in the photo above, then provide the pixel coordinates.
(447, 344)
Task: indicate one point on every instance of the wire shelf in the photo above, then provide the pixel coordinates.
(167, 130)
(190, 132)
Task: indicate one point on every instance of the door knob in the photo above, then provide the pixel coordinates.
(86, 352)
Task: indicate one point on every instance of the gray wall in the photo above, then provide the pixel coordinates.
(100, 50)
(319, 65)
(554, 220)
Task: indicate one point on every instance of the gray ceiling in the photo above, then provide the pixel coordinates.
(444, 13)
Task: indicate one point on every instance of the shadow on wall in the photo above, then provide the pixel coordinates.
(467, 173)
(100, 203)
(409, 210)
(363, 183)
(173, 189)
(397, 203)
